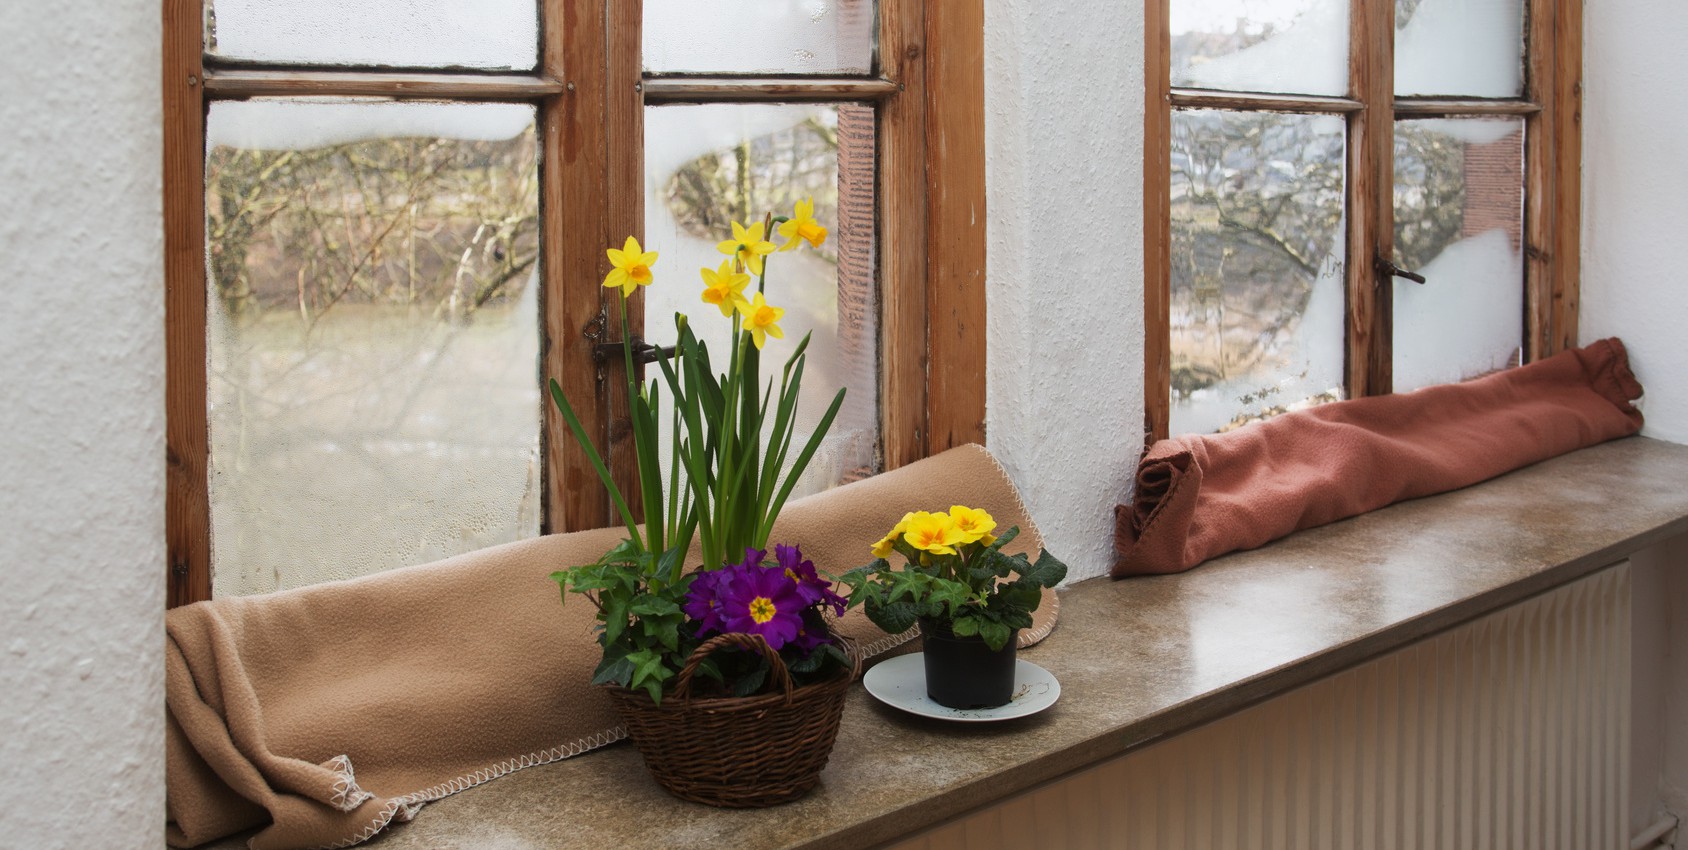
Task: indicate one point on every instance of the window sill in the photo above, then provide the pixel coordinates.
(1138, 660)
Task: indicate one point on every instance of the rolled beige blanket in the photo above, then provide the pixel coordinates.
(326, 713)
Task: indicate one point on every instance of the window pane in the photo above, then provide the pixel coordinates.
(1459, 214)
(1298, 46)
(1257, 288)
(373, 336)
(707, 166)
(1461, 48)
(485, 34)
(736, 37)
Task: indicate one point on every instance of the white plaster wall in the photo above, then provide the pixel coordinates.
(1635, 196)
(1064, 153)
(81, 476)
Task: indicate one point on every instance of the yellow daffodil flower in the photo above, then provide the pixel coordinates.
(802, 227)
(973, 523)
(747, 246)
(632, 267)
(759, 319)
(934, 533)
(725, 288)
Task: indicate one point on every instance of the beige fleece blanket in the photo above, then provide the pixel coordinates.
(326, 713)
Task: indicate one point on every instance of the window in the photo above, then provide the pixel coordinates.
(385, 229)
(1303, 156)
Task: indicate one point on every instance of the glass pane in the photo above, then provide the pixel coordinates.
(372, 325)
(1460, 48)
(736, 37)
(1298, 46)
(1257, 246)
(485, 34)
(1459, 215)
(707, 166)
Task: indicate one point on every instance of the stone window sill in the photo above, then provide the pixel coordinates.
(1138, 660)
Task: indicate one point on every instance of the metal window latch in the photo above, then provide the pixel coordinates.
(643, 352)
(1384, 267)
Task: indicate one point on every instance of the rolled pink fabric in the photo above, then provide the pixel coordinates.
(1202, 496)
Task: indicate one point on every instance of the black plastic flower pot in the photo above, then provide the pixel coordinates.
(964, 672)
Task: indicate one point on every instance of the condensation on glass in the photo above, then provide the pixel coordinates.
(373, 336)
(1285, 46)
(1459, 48)
(707, 166)
(738, 37)
(482, 34)
(1257, 280)
(1459, 216)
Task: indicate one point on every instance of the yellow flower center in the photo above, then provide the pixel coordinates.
(763, 317)
(641, 274)
(811, 231)
(792, 574)
(762, 609)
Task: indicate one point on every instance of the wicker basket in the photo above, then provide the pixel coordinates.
(738, 752)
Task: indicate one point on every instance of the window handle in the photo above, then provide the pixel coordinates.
(1386, 268)
(643, 352)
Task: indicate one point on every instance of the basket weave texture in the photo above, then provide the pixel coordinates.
(739, 752)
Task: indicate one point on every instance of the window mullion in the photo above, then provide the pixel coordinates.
(1553, 183)
(1371, 73)
(1157, 224)
(573, 198)
(902, 234)
(187, 494)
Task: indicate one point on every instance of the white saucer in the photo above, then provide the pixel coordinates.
(901, 683)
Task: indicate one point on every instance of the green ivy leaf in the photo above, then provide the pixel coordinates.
(994, 633)
(615, 618)
(615, 668)
(650, 605)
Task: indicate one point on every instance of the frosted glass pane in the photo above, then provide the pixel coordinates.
(737, 37)
(709, 165)
(1298, 46)
(485, 34)
(1460, 48)
(1257, 246)
(1459, 190)
(373, 334)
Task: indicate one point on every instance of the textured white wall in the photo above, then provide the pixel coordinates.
(1064, 148)
(1635, 196)
(81, 476)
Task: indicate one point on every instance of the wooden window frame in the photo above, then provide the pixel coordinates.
(928, 90)
(1551, 107)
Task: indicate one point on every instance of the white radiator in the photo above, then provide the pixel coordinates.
(1510, 732)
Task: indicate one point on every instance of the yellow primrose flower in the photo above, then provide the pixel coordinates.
(759, 319)
(973, 523)
(802, 227)
(934, 533)
(725, 288)
(747, 246)
(632, 267)
(887, 544)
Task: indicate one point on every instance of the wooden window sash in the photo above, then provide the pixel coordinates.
(590, 96)
(1550, 108)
